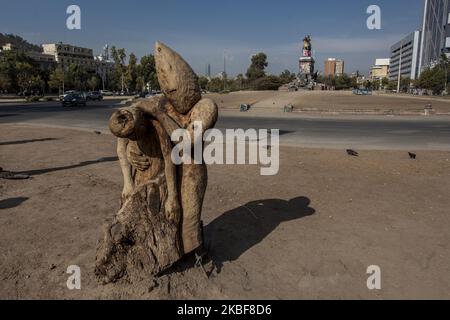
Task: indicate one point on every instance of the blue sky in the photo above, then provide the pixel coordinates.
(204, 31)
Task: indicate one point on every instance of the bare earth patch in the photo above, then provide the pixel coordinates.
(309, 232)
(340, 102)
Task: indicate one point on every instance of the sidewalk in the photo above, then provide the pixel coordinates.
(18, 100)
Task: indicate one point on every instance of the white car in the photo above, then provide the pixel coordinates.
(61, 97)
(106, 93)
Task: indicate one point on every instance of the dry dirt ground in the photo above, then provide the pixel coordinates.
(308, 233)
(329, 102)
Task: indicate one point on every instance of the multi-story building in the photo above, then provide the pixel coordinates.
(435, 32)
(339, 67)
(380, 70)
(405, 57)
(66, 55)
(62, 55)
(330, 67)
(333, 67)
(45, 61)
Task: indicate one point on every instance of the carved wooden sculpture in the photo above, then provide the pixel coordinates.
(159, 220)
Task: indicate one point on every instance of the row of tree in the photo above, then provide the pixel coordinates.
(435, 80)
(255, 78)
(21, 74)
(134, 76)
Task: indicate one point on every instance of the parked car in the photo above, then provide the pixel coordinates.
(61, 97)
(94, 96)
(85, 95)
(74, 100)
(106, 93)
(362, 92)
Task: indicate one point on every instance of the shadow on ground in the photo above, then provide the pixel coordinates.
(81, 164)
(12, 202)
(238, 230)
(8, 143)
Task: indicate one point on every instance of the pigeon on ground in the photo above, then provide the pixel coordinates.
(352, 153)
(412, 156)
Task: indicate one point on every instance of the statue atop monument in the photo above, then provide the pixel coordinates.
(307, 43)
(306, 64)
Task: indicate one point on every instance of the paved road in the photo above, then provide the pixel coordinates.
(337, 132)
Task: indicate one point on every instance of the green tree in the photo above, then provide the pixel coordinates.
(93, 82)
(267, 83)
(405, 84)
(112, 82)
(445, 64)
(368, 84)
(215, 85)
(119, 56)
(376, 85)
(392, 85)
(353, 82)
(329, 81)
(239, 83)
(140, 84)
(77, 77)
(385, 82)
(287, 77)
(342, 82)
(18, 69)
(37, 83)
(432, 79)
(24, 73)
(131, 73)
(57, 78)
(147, 69)
(257, 66)
(5, 82)
(203, 82)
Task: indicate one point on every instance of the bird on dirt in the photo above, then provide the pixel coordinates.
(352, 153)
(412, 156)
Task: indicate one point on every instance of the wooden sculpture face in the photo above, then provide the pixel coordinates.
(178, 81)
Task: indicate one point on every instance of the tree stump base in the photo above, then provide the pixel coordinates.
(140, 241)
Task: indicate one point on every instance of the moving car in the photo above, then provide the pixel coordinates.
(61, 97)
(74, 100)
(94, 96)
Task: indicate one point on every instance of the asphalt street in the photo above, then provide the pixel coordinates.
(362, 132)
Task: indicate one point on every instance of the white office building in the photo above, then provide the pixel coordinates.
(405, 57)
(435, 32)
